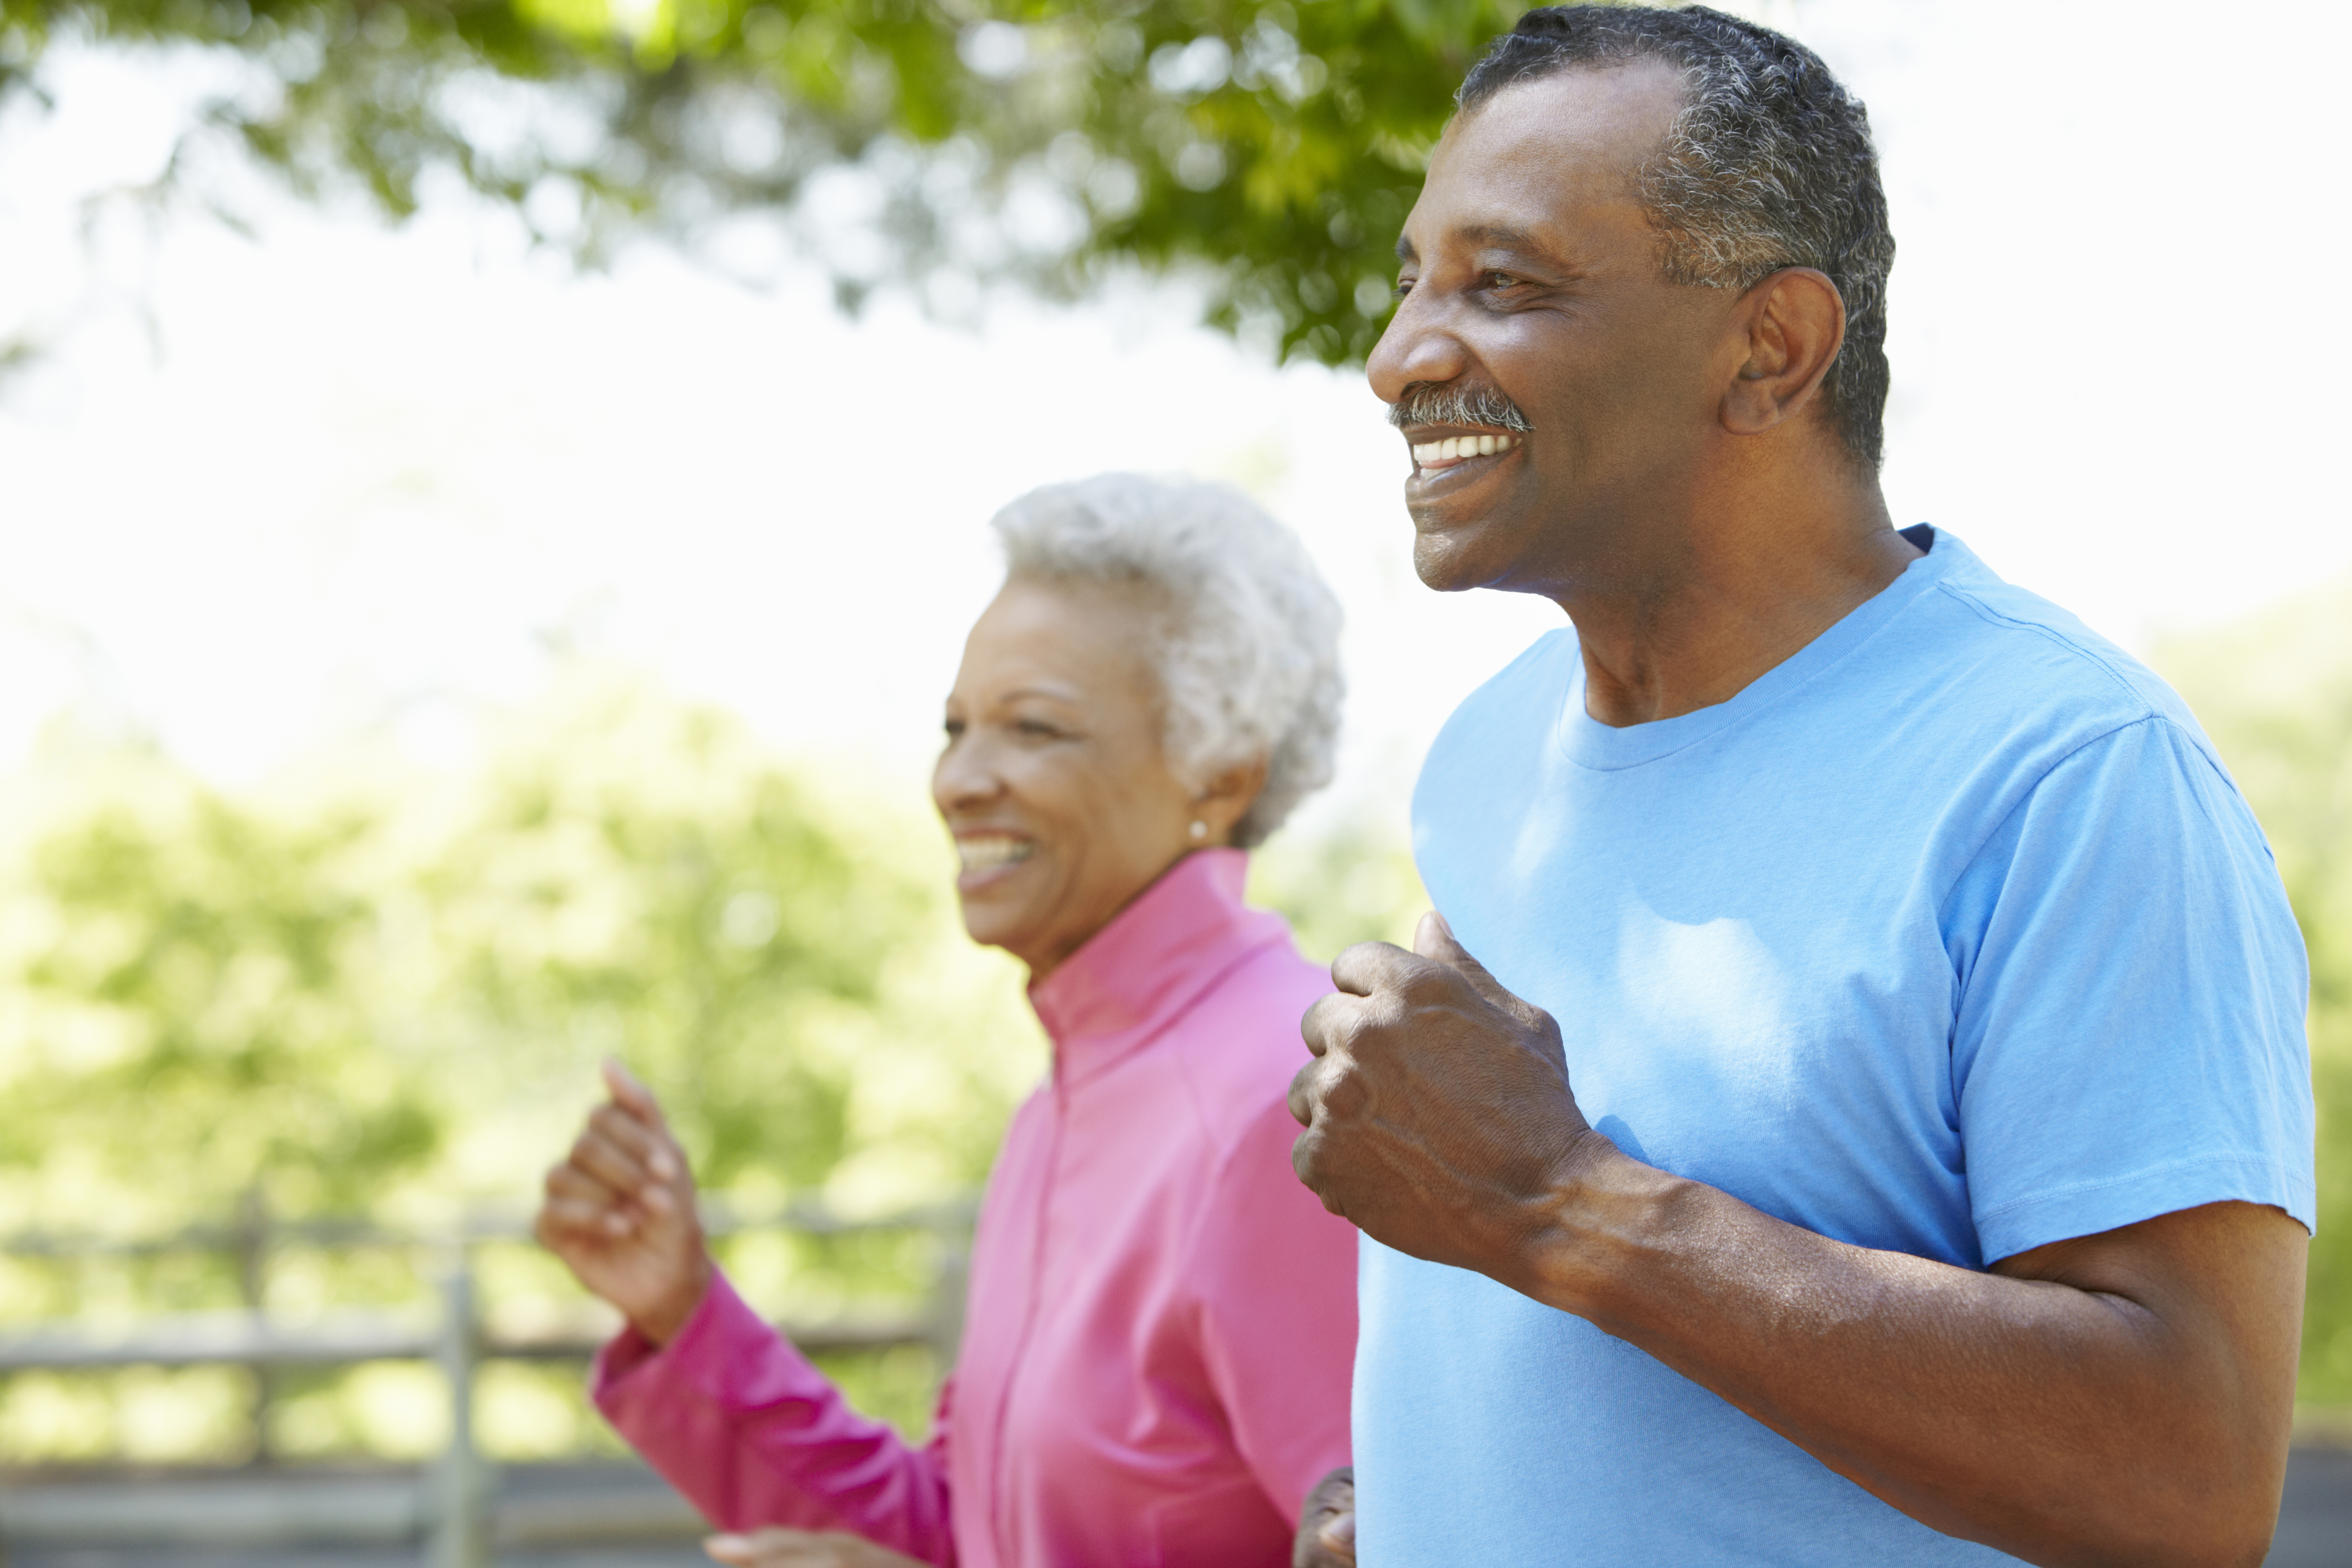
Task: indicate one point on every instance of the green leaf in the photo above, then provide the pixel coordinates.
(1271, 149)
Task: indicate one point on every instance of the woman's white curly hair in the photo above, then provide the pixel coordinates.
(1248, 643)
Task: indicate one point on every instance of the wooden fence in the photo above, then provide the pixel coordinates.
(455, 1338)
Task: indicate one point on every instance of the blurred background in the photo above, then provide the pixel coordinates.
(494, 491)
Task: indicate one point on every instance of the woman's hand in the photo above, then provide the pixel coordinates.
(804, 1549)
(620, 1212)
(1327, 1525)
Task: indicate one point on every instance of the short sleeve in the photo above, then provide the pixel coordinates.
(1273, 1277)
(2129, 1035)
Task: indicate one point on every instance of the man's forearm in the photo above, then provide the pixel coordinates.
(2120, 1397)
(2093, 1419)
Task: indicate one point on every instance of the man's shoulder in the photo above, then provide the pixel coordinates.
(1958, 669)
(2033, 654)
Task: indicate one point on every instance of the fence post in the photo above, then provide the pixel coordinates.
(252, 1254)
(948, 1290)
(458, 1534)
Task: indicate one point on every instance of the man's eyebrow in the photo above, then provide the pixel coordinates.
(1491, 234)
(1500, 235)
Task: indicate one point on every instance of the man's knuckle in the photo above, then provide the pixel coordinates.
(1349, 1034)
(1346, 1097)
(1304, 1149)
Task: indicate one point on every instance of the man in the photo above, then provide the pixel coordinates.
(1875, 1126)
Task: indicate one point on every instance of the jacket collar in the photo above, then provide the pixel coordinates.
(1144, 970)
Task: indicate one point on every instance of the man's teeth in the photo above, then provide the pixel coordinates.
(1455, 447)
(987, 854)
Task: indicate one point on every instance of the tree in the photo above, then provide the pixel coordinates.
(372, 993)
(1272, 147)
(186, 1026)
(390, 992)
(637, 877)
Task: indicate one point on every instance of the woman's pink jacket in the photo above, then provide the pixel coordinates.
(1157, 1349)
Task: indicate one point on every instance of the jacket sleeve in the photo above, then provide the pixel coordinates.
(739, 1422)
(1274, 1274)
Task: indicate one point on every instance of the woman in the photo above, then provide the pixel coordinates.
(1157, 1349)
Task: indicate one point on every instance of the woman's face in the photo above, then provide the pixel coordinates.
(1052, 782)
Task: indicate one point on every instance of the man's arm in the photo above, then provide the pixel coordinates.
(2118, 1398)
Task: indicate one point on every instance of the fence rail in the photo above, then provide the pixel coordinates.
(453, 1501)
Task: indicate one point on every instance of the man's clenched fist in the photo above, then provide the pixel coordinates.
(1437, 1108)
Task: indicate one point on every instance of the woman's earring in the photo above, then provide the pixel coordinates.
(1200, 829)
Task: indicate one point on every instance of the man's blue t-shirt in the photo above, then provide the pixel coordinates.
(1949, 936)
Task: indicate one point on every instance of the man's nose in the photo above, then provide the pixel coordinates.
(1418, 346)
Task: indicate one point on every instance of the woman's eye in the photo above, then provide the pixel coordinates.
(1500, 280)
(1403, 286)
(1034, 728)
(954, 728)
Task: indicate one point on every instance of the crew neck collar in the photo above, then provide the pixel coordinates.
(1141, 971)
(1589, 743)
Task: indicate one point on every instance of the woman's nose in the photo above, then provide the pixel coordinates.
(965, 777)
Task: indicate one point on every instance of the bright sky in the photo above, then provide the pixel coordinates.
(342, 476)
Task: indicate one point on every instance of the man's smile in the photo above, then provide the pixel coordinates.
(1456, 433)
(1460, 448)
(1453, 457)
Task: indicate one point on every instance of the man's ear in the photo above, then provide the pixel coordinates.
(1794, 322)
(1226, 797)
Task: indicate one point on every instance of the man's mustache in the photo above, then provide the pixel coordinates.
(1431, 403)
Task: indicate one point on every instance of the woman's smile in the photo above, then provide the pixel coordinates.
(985, 856)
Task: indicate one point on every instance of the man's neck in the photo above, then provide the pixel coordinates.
(1734, 603)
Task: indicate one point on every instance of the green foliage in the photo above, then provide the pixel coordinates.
(380, 996)
(189, 1023)
(376, 992)
(1272, 147)
(1352, 883)
(2275, 693)
(641, 882)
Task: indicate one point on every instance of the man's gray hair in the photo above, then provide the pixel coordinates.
(1769, 165)
(1247, 644)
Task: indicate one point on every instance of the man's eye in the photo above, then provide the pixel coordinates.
(1500, 280)
(1403, 286)
(1034, 728)
(954, 727)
